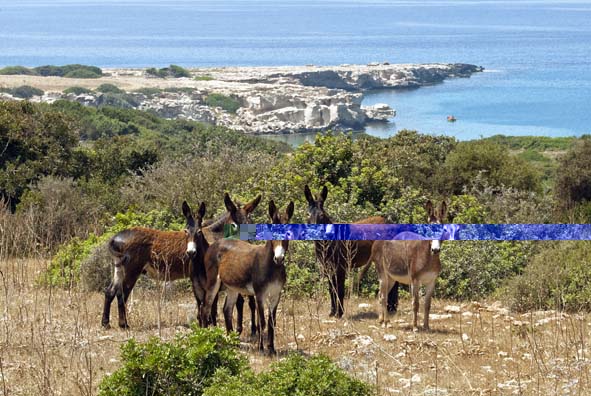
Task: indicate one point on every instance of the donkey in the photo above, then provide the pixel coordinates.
(213, 231)
(163, 255)
(411, 260)
(249, 269)
(336, 257)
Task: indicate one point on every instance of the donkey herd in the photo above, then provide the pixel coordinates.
(213, 263)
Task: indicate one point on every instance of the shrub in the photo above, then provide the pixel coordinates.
(14, 70)
(204, 77)
(227, 103)
(120, 100)
(73, 71)
(475, 269)
(573, 184)
(23, 92)
(77, 90)
(558, 277)
(109, 88)
(295, 375)
(183, 366)
(149, 91)
(171, 71)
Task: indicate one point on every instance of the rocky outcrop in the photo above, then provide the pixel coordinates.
(272, 99)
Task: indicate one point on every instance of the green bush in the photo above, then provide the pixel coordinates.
(70, 71)
(77, 90)
(558, 277)
(204, 77)
(227, 103)
(475, 269)
(109, 88)
(120, 100)
(184, 366)
(16, 70)
(293, 376)
(148, 91)
(573, 184)
(23, 92)
(65, 267)
(171, 71)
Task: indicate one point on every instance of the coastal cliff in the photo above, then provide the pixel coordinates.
(261, 99)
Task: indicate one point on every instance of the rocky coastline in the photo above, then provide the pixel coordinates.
(268, 100)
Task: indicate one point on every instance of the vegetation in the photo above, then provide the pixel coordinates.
(184, 366)
(23, 92)
(77, 90)
(173, 71)
(69, 71)
(227, 103)
(573, 184)
(109, 88)
(204, 77)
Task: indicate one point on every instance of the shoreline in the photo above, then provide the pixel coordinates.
(259, 100)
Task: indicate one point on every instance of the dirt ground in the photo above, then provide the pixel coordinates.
(52, 343)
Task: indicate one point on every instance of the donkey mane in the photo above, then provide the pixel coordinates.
(218, 224)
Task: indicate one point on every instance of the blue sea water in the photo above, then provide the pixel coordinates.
(537, 53)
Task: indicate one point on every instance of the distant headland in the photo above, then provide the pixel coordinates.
(253, 100)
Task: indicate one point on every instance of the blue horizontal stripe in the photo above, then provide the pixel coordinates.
(466, 232)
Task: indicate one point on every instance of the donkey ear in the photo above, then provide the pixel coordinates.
(272, 209)
(201, 212)
(289, 210)
(443, 210)
(324, 193)
(187, 211)
(252, 205)
(308, 195)
(429, 207)
(229, 204)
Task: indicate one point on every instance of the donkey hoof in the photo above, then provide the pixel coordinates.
(271, 352)
(124, 326)
(106, 325)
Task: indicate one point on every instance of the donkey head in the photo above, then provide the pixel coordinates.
(280, 247)
(316, 206)
(240, 214)
(436, 217)
(193, 227)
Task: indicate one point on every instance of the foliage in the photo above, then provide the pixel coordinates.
(533, 143)
(573, 184)
(69, 71)
(109, 88)
(294, 375)
(183, 366)
(16, 70)
(65, 267)
(204, 77)
(227, 103)
(493, 163)
(558, 277)
(35, 141)
(173, 71)
(23, 92)
(77, 90)
(475, 269)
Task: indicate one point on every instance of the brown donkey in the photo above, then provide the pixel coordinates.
(249, 269)
(213, 230)
(336, 257)
(411, 261)
(163, 255)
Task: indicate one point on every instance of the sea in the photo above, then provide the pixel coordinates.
(536, 54)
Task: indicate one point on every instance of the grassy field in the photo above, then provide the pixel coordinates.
(52, 342)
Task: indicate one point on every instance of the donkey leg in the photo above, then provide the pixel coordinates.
(415, 287)
(385, 285)
(110, 293)
(211, 293)
(393, 298)
(271, 328)
(341, 275)
(231, 298)
(124, 289)
(261, 323)
(429, 289)
(332, 286)
(253, 309)
(199, 294)
(240, 313)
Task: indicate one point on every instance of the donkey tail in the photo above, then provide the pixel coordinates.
(120, 258)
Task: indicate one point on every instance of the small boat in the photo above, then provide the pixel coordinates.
(451, 118)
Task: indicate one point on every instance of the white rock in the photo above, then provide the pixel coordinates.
(390, 337)
(452, 308)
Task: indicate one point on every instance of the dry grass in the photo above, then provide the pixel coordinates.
(52, 343)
